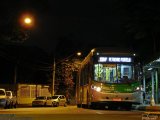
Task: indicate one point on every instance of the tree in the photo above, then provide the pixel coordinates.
(66, 77)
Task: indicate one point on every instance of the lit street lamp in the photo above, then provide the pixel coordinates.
(27, 21)
(79, 53)
(54, 68)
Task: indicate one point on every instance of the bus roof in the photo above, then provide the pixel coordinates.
(107, 51)
(112, 51)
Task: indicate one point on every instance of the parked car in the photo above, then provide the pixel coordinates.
(42, 101)
(4, 100)
(59, 100)
(12, 99)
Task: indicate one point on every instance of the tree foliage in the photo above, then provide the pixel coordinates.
(66, 77)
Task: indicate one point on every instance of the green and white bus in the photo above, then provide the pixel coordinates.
(108, 78)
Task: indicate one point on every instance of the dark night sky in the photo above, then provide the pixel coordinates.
(63, 25)
(89, 22)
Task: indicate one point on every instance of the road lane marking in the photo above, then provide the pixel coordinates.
(99, 113)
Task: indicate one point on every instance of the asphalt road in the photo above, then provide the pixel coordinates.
(66, 113)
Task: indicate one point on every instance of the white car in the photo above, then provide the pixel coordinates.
(4, 101)
(42, 101)
(12, 99)
(59, 100)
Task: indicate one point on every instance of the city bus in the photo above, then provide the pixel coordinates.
(108, 78)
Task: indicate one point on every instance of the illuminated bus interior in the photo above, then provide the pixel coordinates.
(113, 73)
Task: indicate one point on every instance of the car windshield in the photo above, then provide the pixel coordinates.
(8, 93)
(2, 92)
(41, 98)
(54, 97)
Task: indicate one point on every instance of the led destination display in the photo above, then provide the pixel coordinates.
(114, 59)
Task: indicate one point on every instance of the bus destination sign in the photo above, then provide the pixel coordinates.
(115, 59)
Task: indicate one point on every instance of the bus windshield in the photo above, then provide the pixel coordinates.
(113, 73)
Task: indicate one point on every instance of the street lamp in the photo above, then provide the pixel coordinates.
(79, 53)
(54, 68)
(27, 20)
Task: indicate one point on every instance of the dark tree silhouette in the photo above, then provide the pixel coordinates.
(142, 27)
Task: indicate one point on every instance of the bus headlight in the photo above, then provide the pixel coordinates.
(137, 88)
(98, 89)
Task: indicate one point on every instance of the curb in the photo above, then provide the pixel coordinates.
(152, 108)
(24, 105)
(148, 108)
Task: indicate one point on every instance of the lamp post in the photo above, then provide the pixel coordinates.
(25, 21)
(54, 69)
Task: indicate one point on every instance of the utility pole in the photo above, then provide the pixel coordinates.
(15, 78)
(54, 73)
(54, 70)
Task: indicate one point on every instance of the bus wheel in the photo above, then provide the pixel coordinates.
(94, 106)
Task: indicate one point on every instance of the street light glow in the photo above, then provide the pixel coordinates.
(79, 53)
(28, 20)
